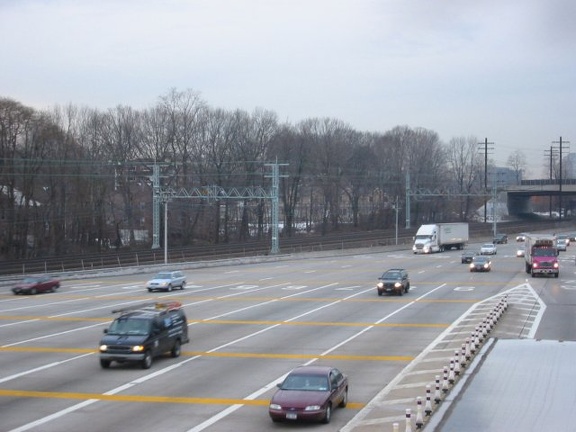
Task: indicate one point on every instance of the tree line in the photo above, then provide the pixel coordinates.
(77, 179)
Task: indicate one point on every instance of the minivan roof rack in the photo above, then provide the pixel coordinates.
(151, 307)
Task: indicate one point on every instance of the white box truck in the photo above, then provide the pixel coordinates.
(440, 237)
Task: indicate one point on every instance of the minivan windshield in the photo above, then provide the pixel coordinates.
(130, 326)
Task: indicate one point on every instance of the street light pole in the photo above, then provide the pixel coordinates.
(396, 208)
(165, 231)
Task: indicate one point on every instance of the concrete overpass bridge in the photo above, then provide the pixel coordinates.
(532, 195)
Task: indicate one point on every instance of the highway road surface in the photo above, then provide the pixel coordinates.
(250, 324)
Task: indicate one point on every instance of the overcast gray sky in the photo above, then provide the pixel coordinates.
(498, 69)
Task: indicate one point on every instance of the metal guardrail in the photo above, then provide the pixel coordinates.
(123, 260)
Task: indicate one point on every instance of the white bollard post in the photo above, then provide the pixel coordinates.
(445, 385)
(395, 427)
(457, 363)
(437, 394)
(419, 414)
(428, 406)
(477, 341)
(451, 374)
(408, 420)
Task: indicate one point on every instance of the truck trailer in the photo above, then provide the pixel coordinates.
(541, 255)
(439, 237)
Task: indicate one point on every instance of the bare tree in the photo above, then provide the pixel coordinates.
(21, 153)
(390, 162)
(330, 140)
(426, 164)
(217, 164)
(290, 146)
(517, 161)
(122, 138)
(360, 175)
(256, 131)
(465, 171)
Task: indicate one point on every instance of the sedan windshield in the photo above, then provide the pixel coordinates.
(305, 382)
(31, 280)
(164, 276)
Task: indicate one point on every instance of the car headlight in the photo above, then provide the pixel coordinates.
(471, 265)
(312, 408)
(138, 348)
(556, 265)
(380, 285)
(485, 265)
(397, 285)
(274, 406)
(103, 348)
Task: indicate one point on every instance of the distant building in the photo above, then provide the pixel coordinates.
(502, 177)
(570, 166)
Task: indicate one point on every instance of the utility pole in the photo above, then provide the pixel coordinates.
(552, 153)
(485, 150)
(560, 146)
(408, 192)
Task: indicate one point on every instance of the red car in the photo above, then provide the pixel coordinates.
(36, 284)
(309, 393)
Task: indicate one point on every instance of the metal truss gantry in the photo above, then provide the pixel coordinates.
(420, 192)
(163, 195)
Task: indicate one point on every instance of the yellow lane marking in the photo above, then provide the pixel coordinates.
(243, 322)
(305, 356)
(320, 323)
(148, 399)
(48, 318)
(225, 355)
(192, 298)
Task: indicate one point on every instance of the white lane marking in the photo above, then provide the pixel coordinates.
(244, 287)
(55, 334)
(145, 378)
(38, 369)
(233, 408)
(20, 322)
(350, 288)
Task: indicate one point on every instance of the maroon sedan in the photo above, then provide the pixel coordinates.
(309, 393)
(36, 284)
